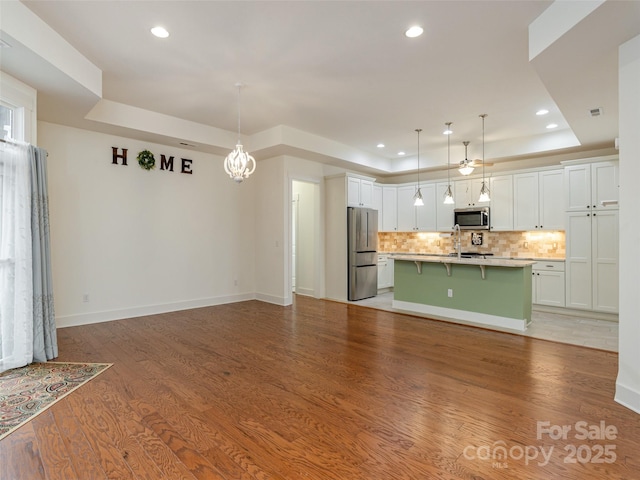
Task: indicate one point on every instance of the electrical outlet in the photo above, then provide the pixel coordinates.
(450, 293)
(85, 298)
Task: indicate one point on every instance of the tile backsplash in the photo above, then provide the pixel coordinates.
(532, 244)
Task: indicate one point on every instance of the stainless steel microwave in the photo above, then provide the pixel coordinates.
(472, 218)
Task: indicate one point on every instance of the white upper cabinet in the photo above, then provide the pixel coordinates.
(525, 201)
(414, 219)
(389, 209)
(426, 214)
(501, 214)
(444, 212)
(359, 192)
(551, 196)
(537, 200)
(467, 191)
(406, 210)
(377, 204)
(591, 186)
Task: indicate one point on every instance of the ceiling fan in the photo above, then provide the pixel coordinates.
(473, 163)
(466, 166)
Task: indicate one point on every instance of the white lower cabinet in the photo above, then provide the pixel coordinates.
(548, 283)
(592, 261)
(385, 272)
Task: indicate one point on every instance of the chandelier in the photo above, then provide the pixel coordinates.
(239, 164)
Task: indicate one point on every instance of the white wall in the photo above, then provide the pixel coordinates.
(271, 217)
(273, 225)
(336, 238)
(628, 381)
(313, 173)
(139, 242)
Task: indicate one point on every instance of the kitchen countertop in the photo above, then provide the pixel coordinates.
(401, 256)
(491, 261)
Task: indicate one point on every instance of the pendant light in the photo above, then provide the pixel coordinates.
(484, 190)
(465, 167)
(448, 195)
(418, 196)
(239, 164)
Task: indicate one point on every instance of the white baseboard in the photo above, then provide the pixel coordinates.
(308, 292)
(628, 397)
(463, 316)
(110, 315)
(282, 301)
(573, 312)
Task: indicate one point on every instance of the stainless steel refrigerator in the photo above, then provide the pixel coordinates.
(362, 228)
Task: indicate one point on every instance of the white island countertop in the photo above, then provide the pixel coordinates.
(488, 262)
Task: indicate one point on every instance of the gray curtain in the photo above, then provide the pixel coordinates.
(45, 341)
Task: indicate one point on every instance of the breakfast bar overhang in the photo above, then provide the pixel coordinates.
(487, 292)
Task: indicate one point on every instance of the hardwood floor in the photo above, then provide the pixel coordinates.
(325, 390)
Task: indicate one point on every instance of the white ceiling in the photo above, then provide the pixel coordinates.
(343, 71)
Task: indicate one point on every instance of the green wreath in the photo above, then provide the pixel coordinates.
(146, 160)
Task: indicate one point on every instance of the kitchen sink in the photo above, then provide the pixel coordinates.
(471, 255)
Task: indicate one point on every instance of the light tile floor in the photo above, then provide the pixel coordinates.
(583, 330)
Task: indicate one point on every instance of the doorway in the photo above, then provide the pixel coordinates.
(304, 237)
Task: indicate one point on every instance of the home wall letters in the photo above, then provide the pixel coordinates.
(119, 157)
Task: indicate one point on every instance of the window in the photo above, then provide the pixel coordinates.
(6, 121)
(17, 109)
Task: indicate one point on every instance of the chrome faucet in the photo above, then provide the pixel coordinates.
(457, 240)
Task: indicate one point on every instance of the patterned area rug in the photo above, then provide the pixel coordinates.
(27, 391)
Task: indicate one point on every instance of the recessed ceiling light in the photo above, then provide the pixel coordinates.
(414, 31)
(552, 125)
(160, 32)
(542, 111)
(401, 153)
(380, 145)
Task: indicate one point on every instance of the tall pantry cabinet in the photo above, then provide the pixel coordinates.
(592, 236)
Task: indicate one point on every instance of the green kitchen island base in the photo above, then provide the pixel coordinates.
(484, 292)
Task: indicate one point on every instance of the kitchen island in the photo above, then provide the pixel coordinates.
(492, 292)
